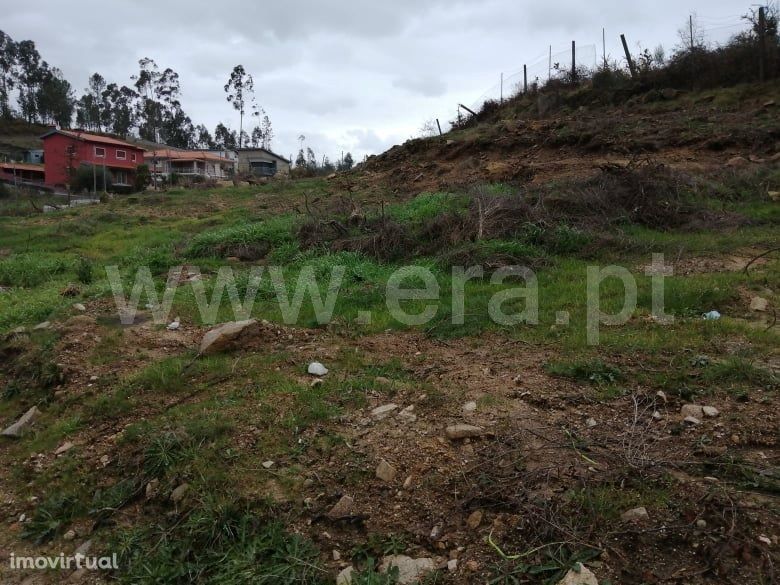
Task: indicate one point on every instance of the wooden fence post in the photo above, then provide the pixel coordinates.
(631, 67)
(439, 125)
(573, 63)
(761, 44)
(525, 79)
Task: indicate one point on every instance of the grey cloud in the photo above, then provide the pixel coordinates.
(426, 86)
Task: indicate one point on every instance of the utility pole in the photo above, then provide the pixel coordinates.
(439, 126)
(549, 65)
(690, 27)
(604, 46)
(631, 66)
(761, 43)
(502, 87)
(525, 79)
(573, 63)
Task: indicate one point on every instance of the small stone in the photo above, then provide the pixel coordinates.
(765, 540)
(316, 382)
(336, 555)
(18, 429)
(579, 575)
(409, 570)
(737, 162)
(382, 380)
(385, 471)
(268, 464)
(174, 325)
(435, 532)
(152, 489)
(472, 566)
(407, 414)
(226, 336)
(69, 535)
(692, 420)
(178, 494)
(657, 415)
(710, 411)
(345, 576)
(408, 483)
(342, 508)
(94, 378)
(759, 304)
(518, 380)
(474, 519)
(317, 369)
(381, 412)
(635, 515)
(701, 524)
(692, 410)
(64, 448)
(591, 422)
(461, 431)
(452, 565)
(662, 395)
(79, 307)
(469, 407)
(42, 326)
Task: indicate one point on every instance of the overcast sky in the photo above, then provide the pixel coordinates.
(350, 75)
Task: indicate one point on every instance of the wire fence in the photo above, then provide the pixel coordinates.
(556, 62)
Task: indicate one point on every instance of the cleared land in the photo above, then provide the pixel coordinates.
(573, 435)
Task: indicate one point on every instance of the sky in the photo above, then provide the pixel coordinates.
(351, 75)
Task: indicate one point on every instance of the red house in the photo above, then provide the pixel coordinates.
(65, 150)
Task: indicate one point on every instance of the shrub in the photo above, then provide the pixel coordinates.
(84, 270)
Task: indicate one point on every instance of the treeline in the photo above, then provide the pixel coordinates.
(308, 164)
(148, 107)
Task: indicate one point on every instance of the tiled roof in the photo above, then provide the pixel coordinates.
(22, 166)
(88, 137)
(185, 155)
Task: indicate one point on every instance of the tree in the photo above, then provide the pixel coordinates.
(267, 132)
(120, 113)
(55, 98)
(203, 138)
(257, 137)
(8, 54)
(91, 108)
(300, 160)
(311, 159)
(241, 94)
(148, 108)
(224, 138)
(429, 129)
(347, 163)
(29, 76)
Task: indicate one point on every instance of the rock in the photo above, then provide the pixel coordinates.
(178, 494)
(474, 519)
(336, 555)
(461, 431)
(407, 414)
(669, 93)
(17, 429)
(384, 381)
(694, 410)
(737, 162)
(408, 483)
(409, 570)
(174, 325)
(225, 336)
(84, 548)
(591, 422)
(383, 411)
(152, 489)
(759, 304)
(268, 464)
(635, 515)
(342, 508)
(317, 369)
(65, 447)
(470, 407)
(42, 326)
(701, 524)
(72, 290)
(692, 420)
(710, 411)
(662, 395)
(79, 307)
(385, 471)
(69, 535)
(452, 565)
(345, 577)
(472, 566)
(657, 415)
(316, 382)
(436, 532)
(105, 460)
(579, 575)
(774, 195)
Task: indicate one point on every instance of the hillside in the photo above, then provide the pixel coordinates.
(16, 136)
(479, 449)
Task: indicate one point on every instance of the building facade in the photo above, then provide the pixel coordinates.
(65, 151)
(261, 162)
(165, 162)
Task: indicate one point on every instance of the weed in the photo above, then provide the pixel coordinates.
(84, 270)
(593, 371)
(50, 518)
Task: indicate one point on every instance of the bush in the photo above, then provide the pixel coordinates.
(88, 178)
(143, 178)
(5, 192)
(84, 270)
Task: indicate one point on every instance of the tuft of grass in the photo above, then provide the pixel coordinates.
(31, 269)
(50, 518)
(593, 371)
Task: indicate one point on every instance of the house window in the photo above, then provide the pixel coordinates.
(121, 155)
(132, 157)
(100, 152)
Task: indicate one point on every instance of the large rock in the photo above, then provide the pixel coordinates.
(345, 576)
(579, 575)
(409, 570)
(342, 509)
(635, 515)
(18, 429)
(385, 471)
(455, 432)
(225, 336)
(692, 410)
